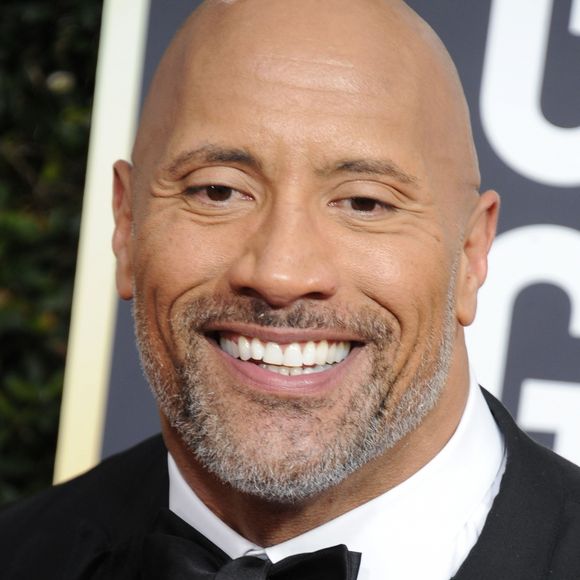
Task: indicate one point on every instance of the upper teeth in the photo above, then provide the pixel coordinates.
(295, 354)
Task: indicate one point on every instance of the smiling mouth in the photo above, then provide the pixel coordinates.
(295, 358)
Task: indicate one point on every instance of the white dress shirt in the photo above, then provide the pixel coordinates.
(421, 529)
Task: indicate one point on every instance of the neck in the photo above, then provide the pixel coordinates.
(266, 523)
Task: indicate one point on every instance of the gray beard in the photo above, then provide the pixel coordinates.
(290, 465)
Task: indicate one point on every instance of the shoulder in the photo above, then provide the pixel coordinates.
(108, 502)
(115, 482)
(534, 523)
(552, 473)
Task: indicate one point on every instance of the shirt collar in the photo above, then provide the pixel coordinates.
(423, 514)
(185, 503)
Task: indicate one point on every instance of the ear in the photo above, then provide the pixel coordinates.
(477, 242)
(122, 236)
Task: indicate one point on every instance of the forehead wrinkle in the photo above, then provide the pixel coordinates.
(308, 73)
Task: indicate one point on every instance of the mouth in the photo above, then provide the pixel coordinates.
(289, 359)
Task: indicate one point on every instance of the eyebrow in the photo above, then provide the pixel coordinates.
(212, 154)
(373, 167)
(218, 154)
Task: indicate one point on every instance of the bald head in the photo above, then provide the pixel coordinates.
(332, 56)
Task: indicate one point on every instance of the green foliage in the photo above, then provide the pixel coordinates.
(47, 68)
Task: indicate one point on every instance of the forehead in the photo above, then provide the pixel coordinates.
(298, 99)
(350, 51)
(311, 80)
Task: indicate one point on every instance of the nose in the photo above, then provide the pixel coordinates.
(286, 259)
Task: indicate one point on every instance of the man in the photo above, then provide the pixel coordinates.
(302, 233)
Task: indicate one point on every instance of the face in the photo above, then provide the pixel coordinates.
(292, 263)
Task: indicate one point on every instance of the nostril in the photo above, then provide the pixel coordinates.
(274, 300)
(316, 296)
(269, 298)
(281, 297)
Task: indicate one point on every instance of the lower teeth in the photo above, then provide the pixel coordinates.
(293, 371)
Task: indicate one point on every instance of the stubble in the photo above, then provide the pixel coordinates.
(280, 449)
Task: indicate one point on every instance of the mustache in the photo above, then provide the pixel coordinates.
(202, 312)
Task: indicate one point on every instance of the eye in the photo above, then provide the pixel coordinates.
(216, 194)
(365, 204)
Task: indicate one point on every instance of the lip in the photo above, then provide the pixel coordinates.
(252, 376)
(284, 335)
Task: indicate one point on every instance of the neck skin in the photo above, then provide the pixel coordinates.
(268, 524)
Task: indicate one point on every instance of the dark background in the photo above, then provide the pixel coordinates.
(47, 66)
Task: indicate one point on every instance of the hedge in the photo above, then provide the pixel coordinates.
(47, 68)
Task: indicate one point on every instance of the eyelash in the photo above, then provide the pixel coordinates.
(376, 203)
(194, 190)
(384, 206)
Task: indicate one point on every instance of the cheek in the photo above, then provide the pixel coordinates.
(174, 260)
(173, 263)
(408, 279)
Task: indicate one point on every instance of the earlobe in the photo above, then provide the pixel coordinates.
(472, 271)
(122, 236)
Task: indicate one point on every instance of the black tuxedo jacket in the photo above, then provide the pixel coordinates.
(532, 531)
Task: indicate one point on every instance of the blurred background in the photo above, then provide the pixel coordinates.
(48, 52)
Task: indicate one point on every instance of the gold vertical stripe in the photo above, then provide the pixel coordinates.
(116, 102)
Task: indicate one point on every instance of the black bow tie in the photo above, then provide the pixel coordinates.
(176, 551)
